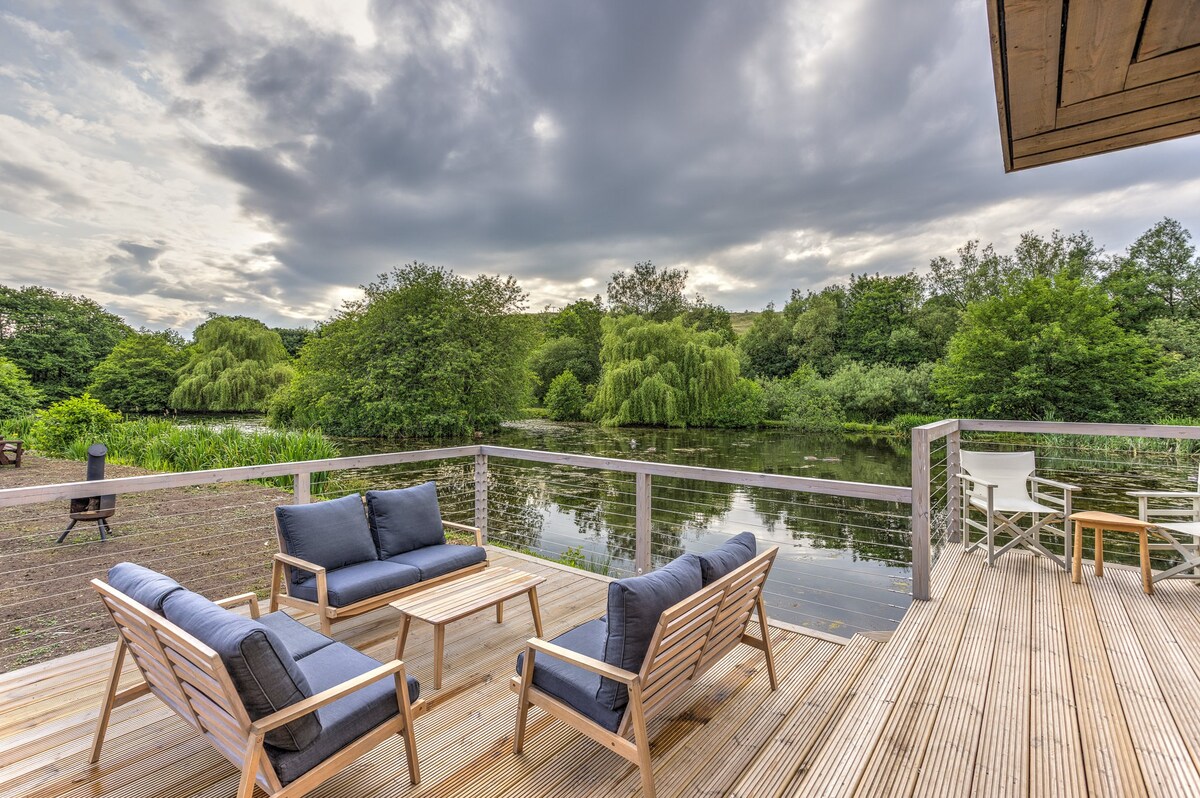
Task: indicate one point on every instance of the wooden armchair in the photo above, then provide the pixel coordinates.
(1176, 519)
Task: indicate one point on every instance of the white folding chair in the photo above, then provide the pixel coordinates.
(997, 485)
(1177, 522)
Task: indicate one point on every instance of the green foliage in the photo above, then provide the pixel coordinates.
(558, 355)
(18, 397)
(425, 352)
(766, 346)
(802, 402)
(139, 373)
(1179, 339)
(293, 338)
(879, 392)
(1049, 347)
(661, 373)
(57, 339)
(878, 324)
(1158, 278)
(816, 335)
(565, 400)
(743, 405)
(235, 364)
(60, 425)
(706, 317)
(906, 421)
(646, 291)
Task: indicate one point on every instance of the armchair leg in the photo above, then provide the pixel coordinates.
(276, 575)
(766, 636)
(641, 740)
(110, 697)
(254, 751)
(523, 701)
(410, 738)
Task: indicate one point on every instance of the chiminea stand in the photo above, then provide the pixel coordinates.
(95, 508)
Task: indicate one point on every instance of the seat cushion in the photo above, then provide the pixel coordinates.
(298, 639)
(405, 519)
(346, 719)
(332, 534)
(266, 677)
(146, 587)
(359, 581)
(728, 557)
(569, 683)
(433, 561)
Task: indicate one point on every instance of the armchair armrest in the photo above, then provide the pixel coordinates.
(1054, 484)
(250, 599)
(476, 531)
(315, 702)
(581, 660)
(983, 483)
(1164, 494)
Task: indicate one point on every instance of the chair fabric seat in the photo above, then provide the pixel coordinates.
(299, 640)
(435, 561)
(1191, 528)
(346, 719)
(571, 684)
(359, 581)
(1013, 505)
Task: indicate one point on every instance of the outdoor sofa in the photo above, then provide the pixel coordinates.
(338, 559)
(289, 707)
(663, 630)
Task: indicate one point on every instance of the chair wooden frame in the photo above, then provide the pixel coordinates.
(690, 638)
(327, 614)
(190, 678)
(1178, 526)
(11, 451)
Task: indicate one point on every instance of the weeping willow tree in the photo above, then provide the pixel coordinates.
(234, 365)
(664, 374)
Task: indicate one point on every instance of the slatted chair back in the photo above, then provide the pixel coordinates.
(188, 676)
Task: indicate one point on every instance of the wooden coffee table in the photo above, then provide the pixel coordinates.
(458, 598)
(1102, 522)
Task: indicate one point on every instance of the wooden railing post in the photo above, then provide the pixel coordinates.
(921, 561)
(953, 491)
(641, 556)
(302, 487)
(481, 494)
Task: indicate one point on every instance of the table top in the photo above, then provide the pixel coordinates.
(458, 598)
(1110, 520)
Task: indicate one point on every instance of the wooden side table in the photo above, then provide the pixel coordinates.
(1114, 523)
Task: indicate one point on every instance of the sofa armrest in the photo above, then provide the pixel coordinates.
(296, 562)
(250, 599)
(581, 660)
(476, 531)
(315, 702)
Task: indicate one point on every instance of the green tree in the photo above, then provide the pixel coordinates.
(293, 338)
(879, 392)
(565, 399)
(234, 364)
(558, 355)
(646, 291)
(662, 374)
(817, 331)
(1049, 347)
(767, 346)
(140, 373)
(1077, 256)
(1179, 339)
(803, 401)
(18, 397)
(425, 352)
(979, 274)
(1158, 277)
(707, 317)
(57, 339)
(878, 326)
(65, 422)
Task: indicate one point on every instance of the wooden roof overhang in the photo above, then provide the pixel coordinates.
(1081, 77)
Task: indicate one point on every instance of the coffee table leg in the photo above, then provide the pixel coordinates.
(1077, 566)
(402, 638)
(500, 612)
(1099, 551)
(1144, 545)
(439, 644)
(537, 614)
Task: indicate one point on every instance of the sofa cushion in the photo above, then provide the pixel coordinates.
(359, 581)
(266, 676)
(298, 639)
(146, 587)
(728, 557)
(405, 519)
(332, 534)
(433, 561)
(346, 719)
(569, 683)
(634, 606)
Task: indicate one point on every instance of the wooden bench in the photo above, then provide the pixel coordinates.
(690, 638)
(11, 451)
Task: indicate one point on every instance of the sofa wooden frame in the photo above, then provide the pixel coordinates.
(690, 638)
(326, 613)
(190, 678)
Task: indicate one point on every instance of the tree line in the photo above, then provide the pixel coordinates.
(1056, 329)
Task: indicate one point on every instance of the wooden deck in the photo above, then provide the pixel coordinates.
(1010, 681)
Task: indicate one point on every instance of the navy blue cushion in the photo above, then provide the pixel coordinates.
(634, 606)
(265, 675)
(728, 557)
(298, 639)
(359, 581)
(146, 587)
(332, 534)
(434, 561)
(346, 719)
(569, 683)
(405, 519)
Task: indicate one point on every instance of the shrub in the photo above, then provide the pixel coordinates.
(565, 399)
(906, 421)
(743, 405)
(802, 402)
(879, 392)
(18, 397)
(63, 423)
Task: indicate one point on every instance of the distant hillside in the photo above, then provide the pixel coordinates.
(742, 321)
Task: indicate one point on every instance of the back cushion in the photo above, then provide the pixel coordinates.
(405, 519)
(146, 587)
(262, 669)
(331, 534)
(728, 557)
(634, 606)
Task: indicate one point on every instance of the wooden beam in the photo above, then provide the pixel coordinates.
(1033, 36)
(1170, 25)
(1177, 64)
(1100, 38)
(1089, 134)
(995, 31)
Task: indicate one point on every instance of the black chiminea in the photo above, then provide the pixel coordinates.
(96, 508)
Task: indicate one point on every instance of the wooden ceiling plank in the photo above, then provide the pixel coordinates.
(1033, 36)
(1158, 116)
(998, 77)
(1100, 39)
(1130, 100)
(1177, 130)
(1165, 67)
(1171, 25)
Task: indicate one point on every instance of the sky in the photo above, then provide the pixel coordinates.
(171, 160)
